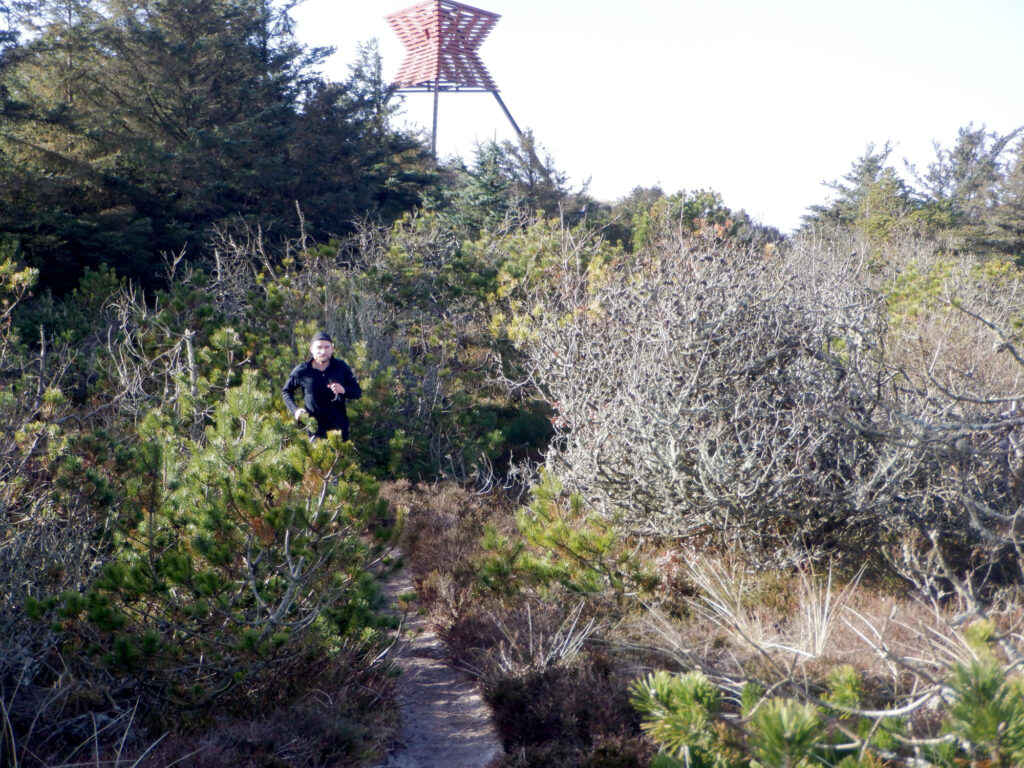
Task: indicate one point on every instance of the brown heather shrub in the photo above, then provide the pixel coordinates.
(573, 715)
(443, 526)
(558, 700)
(316, 711)
(347, 718)
(474, 636)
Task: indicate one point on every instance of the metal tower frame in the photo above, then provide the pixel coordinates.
(441, 39)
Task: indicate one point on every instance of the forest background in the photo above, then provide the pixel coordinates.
(676, 488)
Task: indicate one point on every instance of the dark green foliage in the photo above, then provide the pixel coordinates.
(562, 543)
(485, 195)
(987, 714)
(1008, 218)
(968, 196)
(130, 129)
(680, 712)
(8, 36)
(873, 198)
(683, 714)
(238, 545)
(970, 188)
(967, 175)
(506, 185)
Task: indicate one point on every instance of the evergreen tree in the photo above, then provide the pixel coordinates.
(1008, 217)
(967, 175)
(234, 551)
(506, 179)
(8, 36)
(969, 195)
(871, 197)
(966, 184)
(133, 126)
(484, 195)
(541, 187)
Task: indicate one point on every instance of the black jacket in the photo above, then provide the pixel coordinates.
(321, 403)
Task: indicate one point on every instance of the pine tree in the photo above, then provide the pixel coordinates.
(971, 183)
(132, 127)
(1007, 219)
(235, 551)
(871, 198)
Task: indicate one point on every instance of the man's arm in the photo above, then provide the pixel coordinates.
(348, 381)
(286, 393)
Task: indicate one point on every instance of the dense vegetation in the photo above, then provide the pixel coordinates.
(130, 129)
(681, 490)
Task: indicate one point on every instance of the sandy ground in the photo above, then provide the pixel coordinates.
(445, 723)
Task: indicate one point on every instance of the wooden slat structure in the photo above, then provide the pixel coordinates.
(441, 39)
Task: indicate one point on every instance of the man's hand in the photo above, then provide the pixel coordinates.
(300, 414)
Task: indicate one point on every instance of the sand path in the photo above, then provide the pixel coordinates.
(445, 723)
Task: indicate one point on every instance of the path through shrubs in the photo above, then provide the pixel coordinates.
(445, 723)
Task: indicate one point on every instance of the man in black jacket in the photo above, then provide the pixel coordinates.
(326, 383)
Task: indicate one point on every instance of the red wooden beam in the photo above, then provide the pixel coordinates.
(441, 39)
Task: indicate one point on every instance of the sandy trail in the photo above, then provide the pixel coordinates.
(445, 723)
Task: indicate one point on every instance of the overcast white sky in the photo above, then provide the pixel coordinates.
(760, 100)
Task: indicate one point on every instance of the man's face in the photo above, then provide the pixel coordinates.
(321, 350)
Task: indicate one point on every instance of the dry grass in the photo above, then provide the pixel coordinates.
(558, 693)
(328, 712)
(551, 662)
(723, 599)
(318, 710)
(530, 645)
(792, 629)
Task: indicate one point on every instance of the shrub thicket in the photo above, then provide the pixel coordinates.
(176, 555)
(787, 401)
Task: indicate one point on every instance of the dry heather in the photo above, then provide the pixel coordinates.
(555, 666)
(346, 718)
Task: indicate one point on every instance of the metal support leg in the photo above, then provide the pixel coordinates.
(433, 131)
(507, 114)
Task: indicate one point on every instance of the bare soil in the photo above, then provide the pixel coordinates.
(445, 722)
